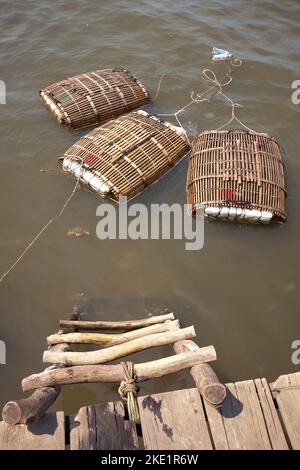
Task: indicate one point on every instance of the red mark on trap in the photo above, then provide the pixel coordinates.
(90, 160)
(229, 194)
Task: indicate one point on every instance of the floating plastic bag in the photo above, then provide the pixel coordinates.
(220, 54)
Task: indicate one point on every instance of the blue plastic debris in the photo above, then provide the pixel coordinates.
(220, 54)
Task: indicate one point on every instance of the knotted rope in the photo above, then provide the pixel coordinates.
(216, 88)
(128, 391)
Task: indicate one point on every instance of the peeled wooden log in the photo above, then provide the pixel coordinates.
(28, 409)
(115, 352)
(112, 339)
(115, 373)
(31, 408)
(115, 325)
(206, 380)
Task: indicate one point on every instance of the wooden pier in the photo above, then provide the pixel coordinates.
(255, 415)
(247, 415)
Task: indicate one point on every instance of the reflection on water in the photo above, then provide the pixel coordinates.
(242, 290)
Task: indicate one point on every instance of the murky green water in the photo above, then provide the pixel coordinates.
(242, 290)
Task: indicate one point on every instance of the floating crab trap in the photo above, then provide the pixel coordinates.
(237, 175)
(126, 155)
(95, 97)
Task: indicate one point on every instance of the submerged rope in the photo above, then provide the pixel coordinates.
(45, 227)
(128, 391)
(159, 85)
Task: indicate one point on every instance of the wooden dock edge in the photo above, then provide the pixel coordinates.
(254, 415)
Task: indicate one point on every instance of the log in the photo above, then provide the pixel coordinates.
(115, 325)
(120, 350)
(114, 372)
(112, 339)
(206, 380)
(29, 409)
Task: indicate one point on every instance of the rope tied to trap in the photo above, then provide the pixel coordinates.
(216, 88)
(128, 391)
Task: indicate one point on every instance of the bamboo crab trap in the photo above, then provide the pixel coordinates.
(237, 175)
(95, 97)
(126, 155)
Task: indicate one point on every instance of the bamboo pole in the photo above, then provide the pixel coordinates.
(114, 372)
(112, 339)
(116, 325)
(206, 380)
(120, 350)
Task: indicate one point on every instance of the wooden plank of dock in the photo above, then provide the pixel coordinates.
(102, 427)
(275, 431)
(48, 433)
(174, 420)
(247, 419)
(286, 390)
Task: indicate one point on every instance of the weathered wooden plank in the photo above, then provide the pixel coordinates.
(253, 421)
(247, 420)
(48, 433)
(275, 431)
(287, 381)
(174, 420)
(286, 389)
(103, 427)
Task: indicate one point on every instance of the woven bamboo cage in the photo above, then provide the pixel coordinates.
(237, 175)
(92, 98)
(126, 155)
